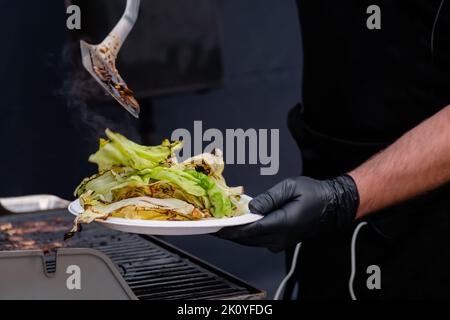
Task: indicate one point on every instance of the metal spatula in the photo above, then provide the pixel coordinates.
(100, 60)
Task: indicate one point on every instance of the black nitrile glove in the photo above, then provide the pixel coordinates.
(297, 209)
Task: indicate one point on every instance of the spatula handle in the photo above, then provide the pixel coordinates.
(118, 35)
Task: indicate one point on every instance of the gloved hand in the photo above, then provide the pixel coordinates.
(297, 209)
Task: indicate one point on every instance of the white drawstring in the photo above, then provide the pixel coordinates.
(353, 259)
(283, 283)
(433, 30)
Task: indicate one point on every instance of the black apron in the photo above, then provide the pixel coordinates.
(363, 89)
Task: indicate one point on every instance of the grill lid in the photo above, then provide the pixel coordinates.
(79, 274)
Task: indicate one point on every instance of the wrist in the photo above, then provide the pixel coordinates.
(364, 206)
(345, 199)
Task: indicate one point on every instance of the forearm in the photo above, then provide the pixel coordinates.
(418, 162)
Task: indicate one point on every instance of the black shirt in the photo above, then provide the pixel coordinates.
(363, 89)
(374, 85)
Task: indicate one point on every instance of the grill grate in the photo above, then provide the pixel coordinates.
(153, 269)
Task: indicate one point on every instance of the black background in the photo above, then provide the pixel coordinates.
(45, 140)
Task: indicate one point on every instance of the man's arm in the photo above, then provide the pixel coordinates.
(418, 162)
(301, 208)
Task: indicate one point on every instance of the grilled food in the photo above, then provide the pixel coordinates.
(32, 235)
(148, 183)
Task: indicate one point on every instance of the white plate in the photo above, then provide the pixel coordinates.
(172, 228)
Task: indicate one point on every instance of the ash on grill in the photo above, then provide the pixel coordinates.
(152, 268)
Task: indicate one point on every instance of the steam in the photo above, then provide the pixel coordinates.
(92, 111)
(78, 89)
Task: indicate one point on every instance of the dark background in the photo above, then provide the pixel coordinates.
(45, 138)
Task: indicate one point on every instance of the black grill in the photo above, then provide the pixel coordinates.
(152, 268)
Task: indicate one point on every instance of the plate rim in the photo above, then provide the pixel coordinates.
(161, 224)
